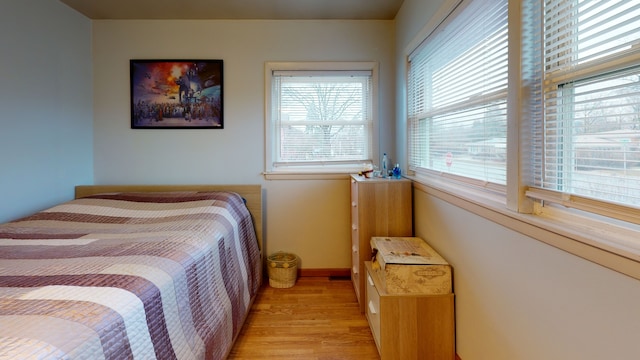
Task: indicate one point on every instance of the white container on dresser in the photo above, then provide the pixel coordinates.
(379, 207)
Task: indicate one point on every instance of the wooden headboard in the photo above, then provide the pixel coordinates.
(251, 193)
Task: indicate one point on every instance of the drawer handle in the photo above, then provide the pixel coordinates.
(354, 227)
(355, 270)
(372, 308)
(370, 280)
(353, 203)
(354, 249)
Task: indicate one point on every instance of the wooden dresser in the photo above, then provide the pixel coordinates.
(409, 326)
(410, 300)
(379, 207)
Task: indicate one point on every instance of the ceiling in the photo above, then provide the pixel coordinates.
(237, 9)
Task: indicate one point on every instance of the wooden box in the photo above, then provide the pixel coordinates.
(408, 265)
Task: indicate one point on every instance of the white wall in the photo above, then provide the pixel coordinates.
(517, 298)
(307, 217)
(45, 105)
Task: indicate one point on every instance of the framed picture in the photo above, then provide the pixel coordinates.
(176, 94)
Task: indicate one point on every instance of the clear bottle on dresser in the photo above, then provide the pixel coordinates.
(385, 170)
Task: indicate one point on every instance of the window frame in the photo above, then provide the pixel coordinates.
(425, 173)
(604, 239)
(553, 81)
(328, 170)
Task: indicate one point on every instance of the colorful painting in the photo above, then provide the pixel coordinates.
(176, 94)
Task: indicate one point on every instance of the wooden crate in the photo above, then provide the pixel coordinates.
(408, 265)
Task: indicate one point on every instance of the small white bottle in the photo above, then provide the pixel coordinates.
(385, 172)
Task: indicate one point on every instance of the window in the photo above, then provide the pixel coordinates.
(319, 117)
(565, 78)
(589, 126)
(457, 94)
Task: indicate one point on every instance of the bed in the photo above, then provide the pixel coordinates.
(131, 272)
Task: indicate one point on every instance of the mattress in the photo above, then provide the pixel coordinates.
(128, 276)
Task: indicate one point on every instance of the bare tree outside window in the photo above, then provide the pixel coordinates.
(329, 114)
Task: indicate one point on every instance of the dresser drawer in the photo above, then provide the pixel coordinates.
(355, 266)
(373, 308)
(355, 278)
(355, 261)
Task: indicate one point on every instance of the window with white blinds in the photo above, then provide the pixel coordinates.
(320, 120)
(590, 124)
(457, 95)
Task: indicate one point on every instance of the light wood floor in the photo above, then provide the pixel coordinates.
(318, 318)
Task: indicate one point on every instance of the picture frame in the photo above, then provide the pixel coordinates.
(177, 94)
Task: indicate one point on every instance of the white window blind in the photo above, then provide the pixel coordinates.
(321, 120)
(591, 95)
(457, 94)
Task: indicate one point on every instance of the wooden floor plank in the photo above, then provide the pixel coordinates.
(317, 319)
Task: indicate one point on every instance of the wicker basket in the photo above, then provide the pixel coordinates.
(282, 269)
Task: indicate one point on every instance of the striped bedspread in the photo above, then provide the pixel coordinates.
(128, 276)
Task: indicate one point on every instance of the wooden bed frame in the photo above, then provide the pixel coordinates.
(251, 193)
